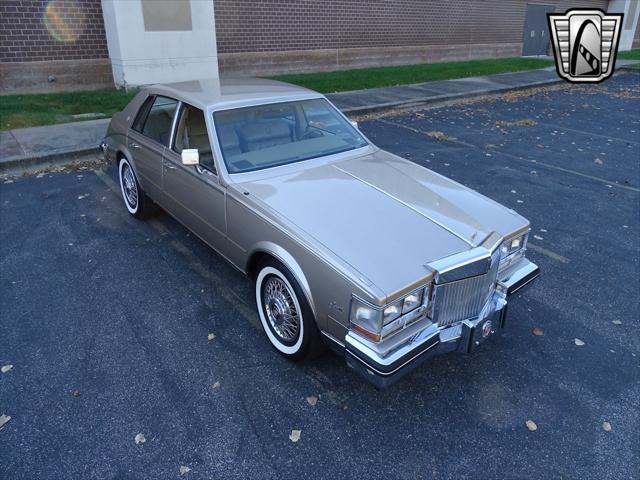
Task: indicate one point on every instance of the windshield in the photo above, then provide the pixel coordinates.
(263, 136)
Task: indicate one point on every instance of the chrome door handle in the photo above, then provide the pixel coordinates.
(134, 145)
(169, 166)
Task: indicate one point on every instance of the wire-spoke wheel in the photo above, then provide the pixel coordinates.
(136, 201)
(129, 186)
(285, 313)
(281, 310)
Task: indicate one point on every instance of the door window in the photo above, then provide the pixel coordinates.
(192, 133)
(156, 122)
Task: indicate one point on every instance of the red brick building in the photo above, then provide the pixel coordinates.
(66, 40)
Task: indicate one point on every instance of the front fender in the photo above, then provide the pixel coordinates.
(287, 259)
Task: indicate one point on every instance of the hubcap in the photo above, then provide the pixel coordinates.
(129, 184)
(280, 309)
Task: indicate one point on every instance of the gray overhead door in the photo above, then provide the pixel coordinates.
(536, 30)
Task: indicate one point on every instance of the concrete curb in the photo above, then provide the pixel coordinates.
(445, 97)
(55, 158)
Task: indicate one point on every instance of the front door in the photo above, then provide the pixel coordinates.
(193, 194)
(536, 30)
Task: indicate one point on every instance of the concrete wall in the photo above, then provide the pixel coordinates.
(161, 48)
(629, 28)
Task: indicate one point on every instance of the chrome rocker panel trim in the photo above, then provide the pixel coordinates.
(462, 337)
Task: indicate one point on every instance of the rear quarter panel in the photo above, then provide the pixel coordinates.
(116, 137)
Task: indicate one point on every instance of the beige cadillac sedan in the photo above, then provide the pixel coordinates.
(349, 246)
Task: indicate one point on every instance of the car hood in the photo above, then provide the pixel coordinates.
(385, 216)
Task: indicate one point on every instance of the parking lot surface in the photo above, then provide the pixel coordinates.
(106, 321)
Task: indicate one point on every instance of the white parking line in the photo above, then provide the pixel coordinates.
(106, 179)
(532, 161)
(547, 253)
(590, 134)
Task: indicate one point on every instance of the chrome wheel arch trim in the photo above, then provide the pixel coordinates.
(282, 255)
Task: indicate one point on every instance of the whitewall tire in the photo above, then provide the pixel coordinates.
(135, 199)
(284, 312)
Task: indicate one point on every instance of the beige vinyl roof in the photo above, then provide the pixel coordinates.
(232, 92)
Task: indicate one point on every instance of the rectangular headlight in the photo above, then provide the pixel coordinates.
(365, 319)
(412, 301)
(513, 245)
(375, 323)
(512, 249)
(390, 313)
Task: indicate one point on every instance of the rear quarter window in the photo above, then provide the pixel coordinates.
(155, 118)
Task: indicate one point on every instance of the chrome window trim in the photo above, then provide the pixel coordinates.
(174, 124)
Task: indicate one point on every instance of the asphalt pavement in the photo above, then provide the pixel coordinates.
(107, 321)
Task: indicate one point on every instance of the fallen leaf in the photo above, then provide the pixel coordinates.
(295, 435)
(211, 336)
(615, 322)
(606, 426)
(439, 136)
(537, 331)
(312, 400)
(531, 425)
(4, 419)
(215, 385)
(578, 342)
(6, 368)
(184, 469)
(527, 122)
(139, 438)
(76, 393)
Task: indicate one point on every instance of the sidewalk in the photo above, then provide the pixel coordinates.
(28, 146)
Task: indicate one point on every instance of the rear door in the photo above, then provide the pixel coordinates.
(148, 137)
(193, 194)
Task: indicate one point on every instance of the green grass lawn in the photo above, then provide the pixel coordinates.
(345, 80)
(18, 111)
(630, 55)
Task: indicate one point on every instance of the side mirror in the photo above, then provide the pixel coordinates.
(190, 156)
(354, 124)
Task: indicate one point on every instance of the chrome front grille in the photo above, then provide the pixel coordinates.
(463, 299)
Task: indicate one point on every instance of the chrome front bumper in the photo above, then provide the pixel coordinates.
(382, 367)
